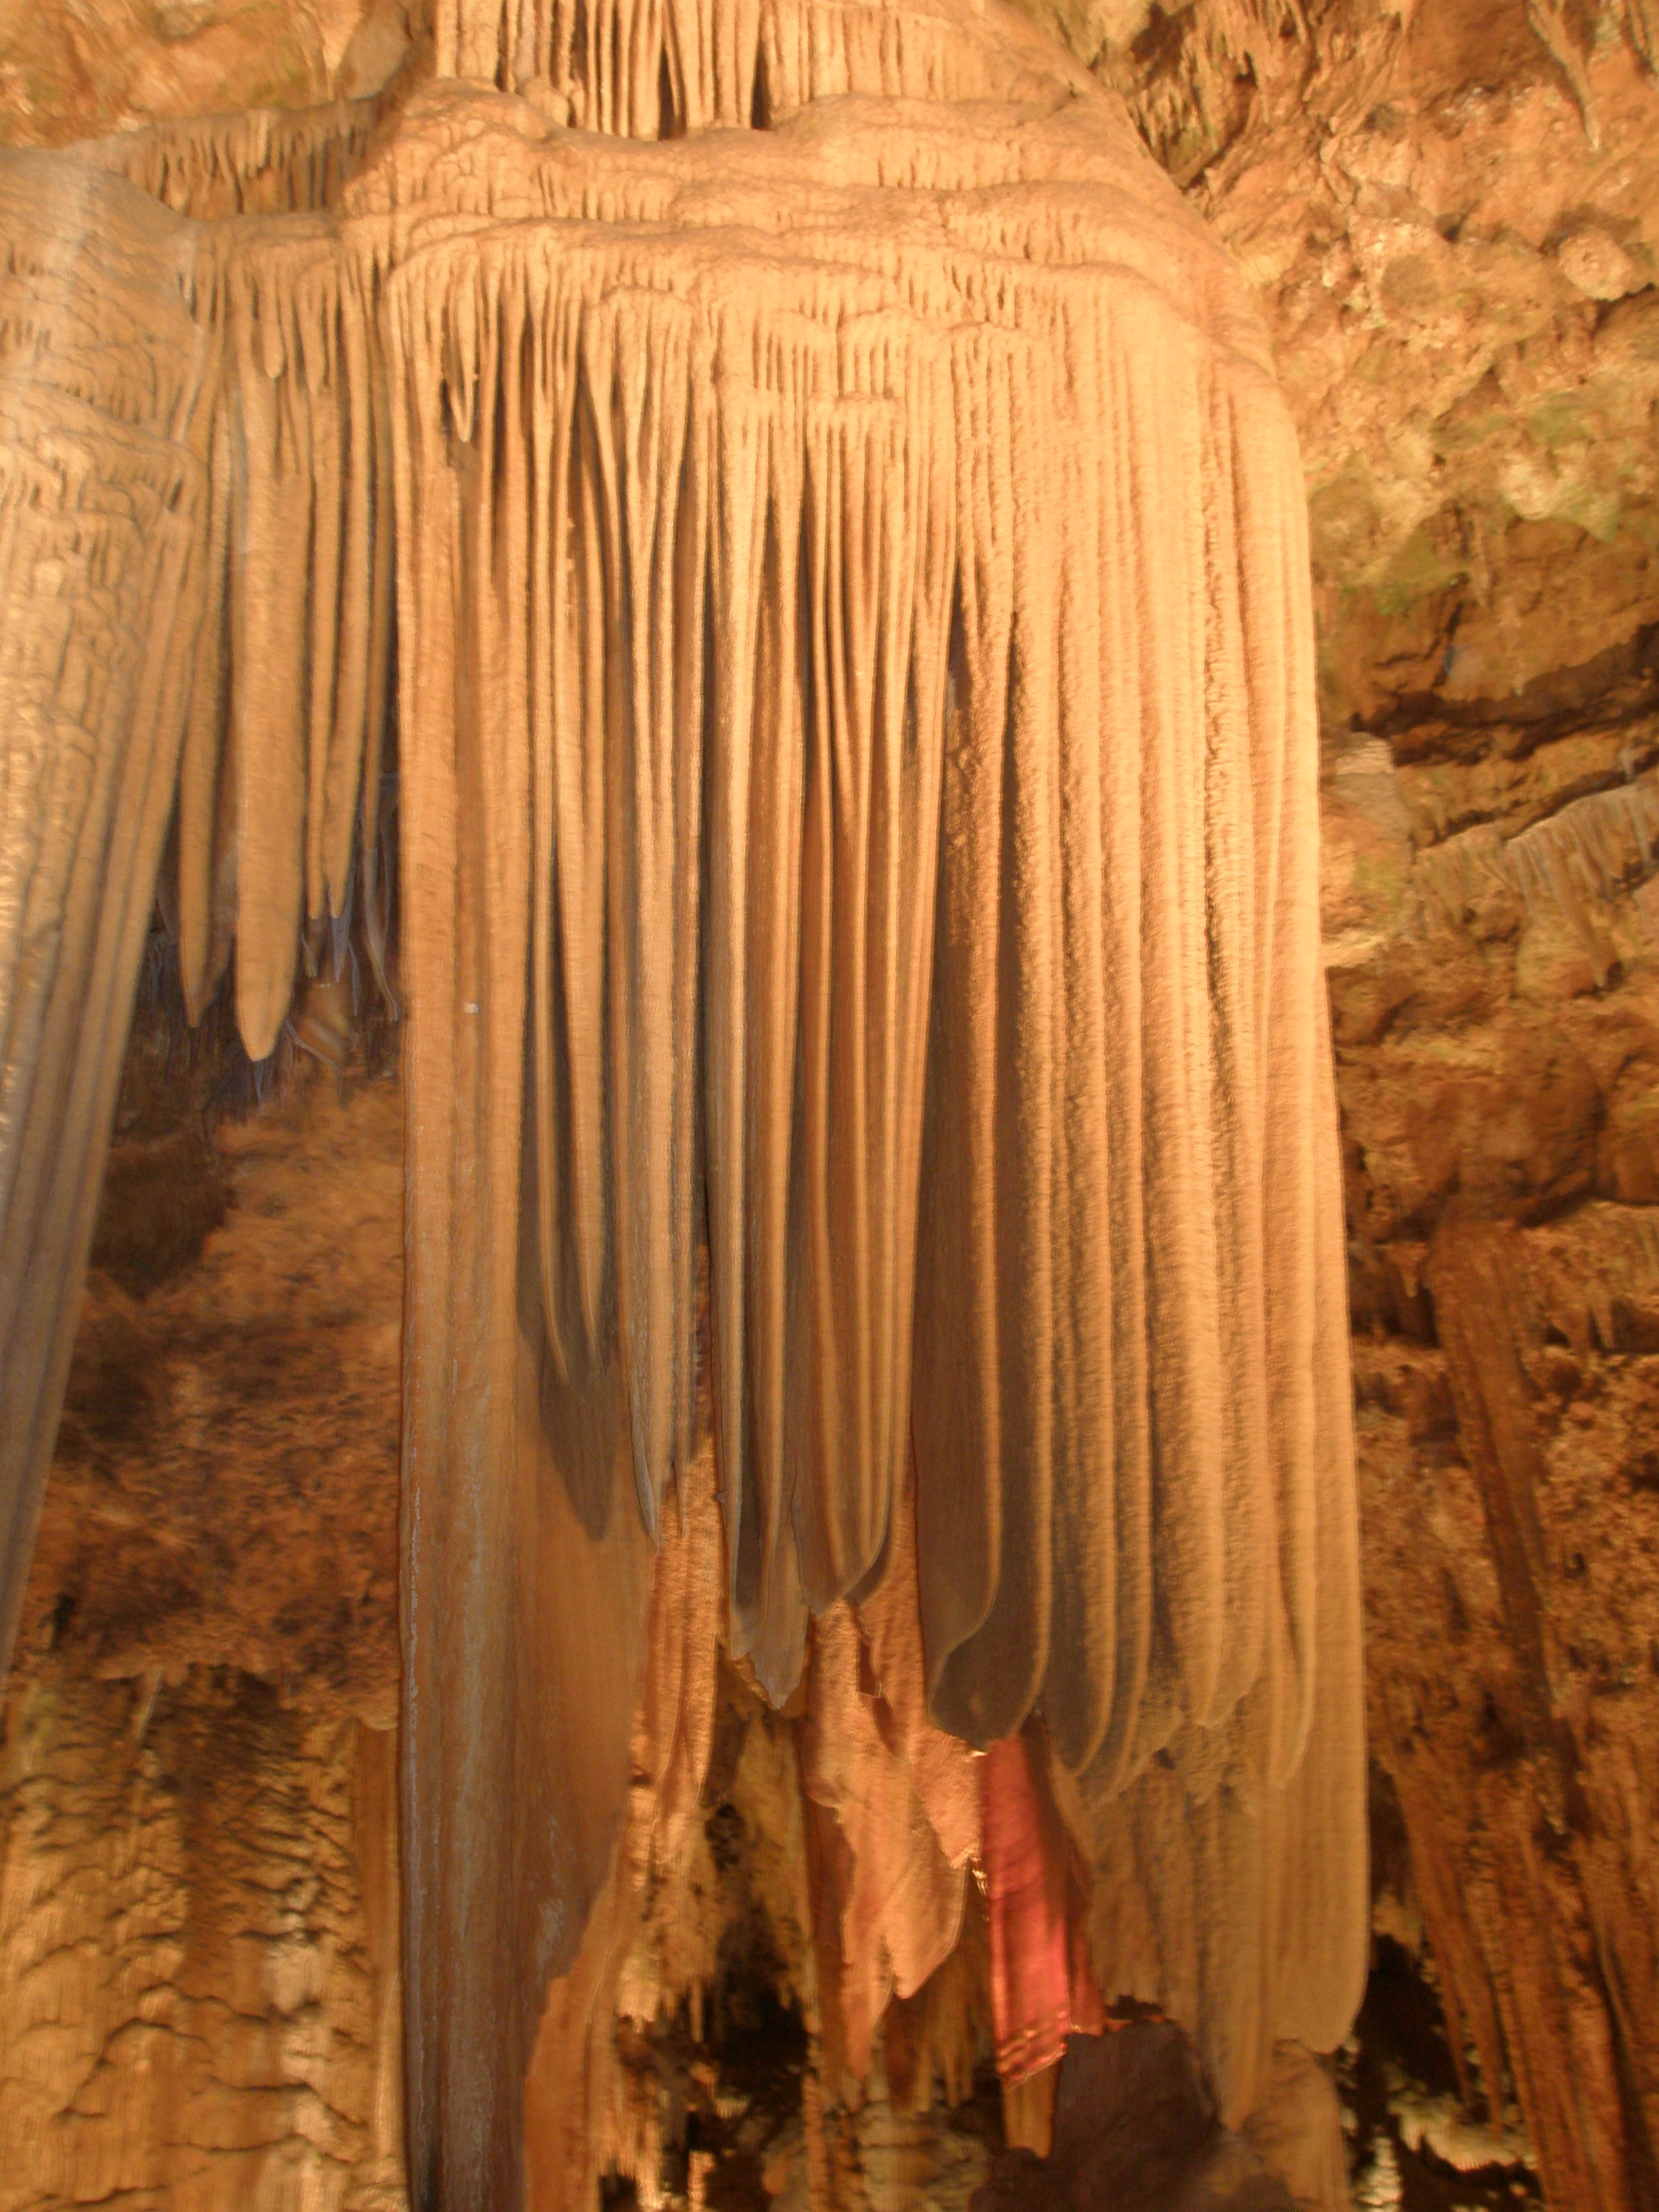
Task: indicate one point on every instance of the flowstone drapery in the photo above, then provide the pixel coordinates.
(815, 509)
(102, 500)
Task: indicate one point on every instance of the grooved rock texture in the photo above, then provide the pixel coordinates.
(197, 1943)
(1517, 1675)
(197, 1788)
(1450, 214)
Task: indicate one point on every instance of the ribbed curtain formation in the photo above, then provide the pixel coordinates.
(103, 497)
(841, 589)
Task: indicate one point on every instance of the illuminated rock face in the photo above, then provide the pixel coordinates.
(816, 509)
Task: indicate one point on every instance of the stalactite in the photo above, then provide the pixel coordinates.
(260, 160)
(280, 777)
(658, 69)
(1559, 32)
(1592, 1288)
(856, 753)
(1097, 890)
(932, 2045)
(586, 2115)
(1641, 26)
(1514, 1984)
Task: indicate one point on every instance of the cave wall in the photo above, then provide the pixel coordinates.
(1452, 215)
(75, 71)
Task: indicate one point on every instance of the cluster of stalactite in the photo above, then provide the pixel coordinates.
(834, 553)
(263, 160)
(873, 1818)
(653, 71)
(280, 776)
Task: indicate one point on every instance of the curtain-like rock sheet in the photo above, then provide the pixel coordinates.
(261, 160)
(818, 505)
(103, 496)
(564, 807)
(279, 782)
(864, 560)
(1042, 1991)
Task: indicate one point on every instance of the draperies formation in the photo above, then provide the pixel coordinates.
(103, 500)
(854, 698)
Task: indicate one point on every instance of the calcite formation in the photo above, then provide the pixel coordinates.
(102, 496)
(813, 514)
